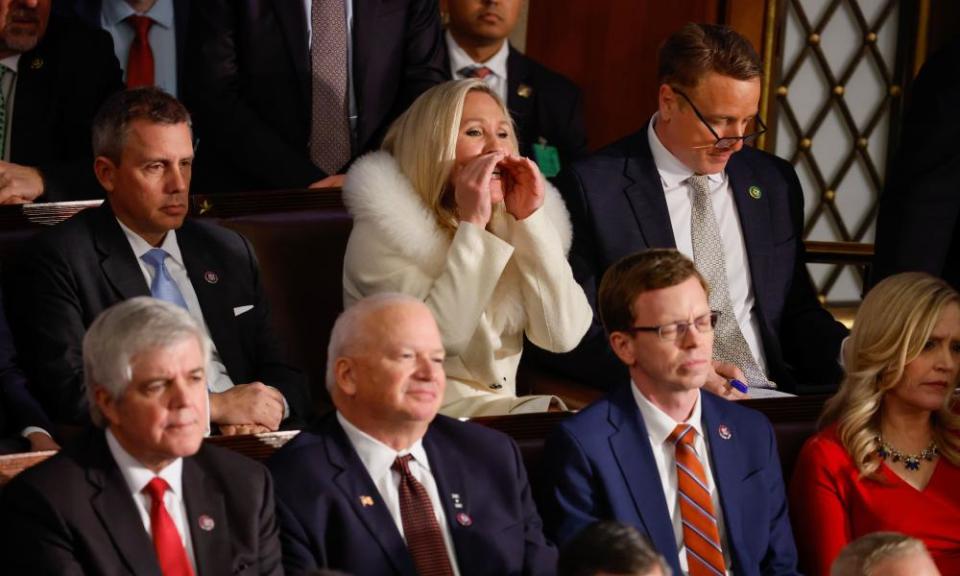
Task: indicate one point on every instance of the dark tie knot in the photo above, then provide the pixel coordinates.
(683, 433)
(402, 464)
(156, 488)
(141, 24)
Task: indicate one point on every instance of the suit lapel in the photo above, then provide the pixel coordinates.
(202, 269)
(204, 500)
(645, 194)
(34, 112)
(117, 511)
(451, 480)
(754, 218)
(365, 500)
(727, 466)
(117, 260)
(293, 23)
(520, 106)
(631, 448)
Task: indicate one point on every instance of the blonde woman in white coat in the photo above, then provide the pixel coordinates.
(449, 213)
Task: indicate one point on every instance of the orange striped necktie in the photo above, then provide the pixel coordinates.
(701, 533)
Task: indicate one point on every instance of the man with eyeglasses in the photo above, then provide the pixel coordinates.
(688, 181)
(698, 475)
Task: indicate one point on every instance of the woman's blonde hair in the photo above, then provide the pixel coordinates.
(892, 326)
(423, 141)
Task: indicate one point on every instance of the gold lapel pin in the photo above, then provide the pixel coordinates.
(36, 63)
(524, 91)
(366, 501)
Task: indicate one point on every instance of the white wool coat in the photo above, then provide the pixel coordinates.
(485, 287)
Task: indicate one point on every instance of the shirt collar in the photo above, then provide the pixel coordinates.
(672, 170)
(376, 456)
(659, 424)
(137, 475)
(114, 12)
(459, 58)
(11, 62)
(141, 246)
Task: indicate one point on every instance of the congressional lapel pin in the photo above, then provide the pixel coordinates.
(211, 277)
(754, 192)
(457, 503)
(36, 63)
(205, 206)
(464, 519)
(724, 432)
(206, 523)
(524, 91)
(366, 501)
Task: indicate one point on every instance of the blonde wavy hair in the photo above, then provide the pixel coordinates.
(892, 326)
(423, 141)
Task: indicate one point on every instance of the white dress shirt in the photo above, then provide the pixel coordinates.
(217, 378)
(9, 87)
(659, 427)
(497, 80)
(378, 459)
(162, 38)
(138, 476)
(679, 195)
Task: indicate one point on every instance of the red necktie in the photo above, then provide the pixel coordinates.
(420, 527)
(140, 61)
(166, 539)
(478, 72)
(701, 534)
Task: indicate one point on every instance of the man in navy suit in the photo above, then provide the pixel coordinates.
(345, 498)
(697, 474)
(639, 193)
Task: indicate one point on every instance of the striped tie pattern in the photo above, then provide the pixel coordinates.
(420, 527)
(729, 344)
(479, 72)
(701, 533)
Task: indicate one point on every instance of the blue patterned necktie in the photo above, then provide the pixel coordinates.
(163, 287)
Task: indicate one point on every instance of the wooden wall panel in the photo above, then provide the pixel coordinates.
(609, 48)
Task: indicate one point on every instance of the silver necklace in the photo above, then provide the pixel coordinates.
(910, 461)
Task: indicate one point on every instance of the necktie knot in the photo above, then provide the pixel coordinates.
(163, 286)
(156, 488)
(479, 72)
(699, 183)
(141, 25)
(155, 257)
(683, 434)
(402, 464)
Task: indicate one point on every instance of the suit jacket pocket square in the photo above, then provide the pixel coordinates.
(238, 310)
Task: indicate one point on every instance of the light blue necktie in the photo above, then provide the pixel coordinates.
(163, 286)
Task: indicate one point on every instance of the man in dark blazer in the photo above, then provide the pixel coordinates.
(340, 489)
(251, 85)
(144, 496)
(917, 225)
(64, 72)
(69, 274)
(625, 457)
(637, 194)
(546, 108)
(91, 12)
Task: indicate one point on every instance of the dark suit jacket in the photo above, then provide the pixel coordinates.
(89, 12)
(18, 408)
(599, 465)
(618, 207)
(250, 86)
(73, 514)
(60, 85)
(71, 273)
(320, 481)
(917, 226)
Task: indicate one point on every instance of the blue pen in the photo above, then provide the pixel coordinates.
(739, 385)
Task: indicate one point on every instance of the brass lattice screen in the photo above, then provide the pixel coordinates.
(835, 94)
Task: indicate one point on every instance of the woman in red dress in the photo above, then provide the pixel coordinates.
(888, 454)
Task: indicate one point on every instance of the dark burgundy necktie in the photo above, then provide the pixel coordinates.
(420, 527)
(140, 60)
(166, 538)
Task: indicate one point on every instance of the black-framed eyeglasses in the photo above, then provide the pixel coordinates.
(677, 330)
(723, 142)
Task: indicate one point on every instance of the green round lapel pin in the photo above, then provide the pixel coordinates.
(754, 192)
